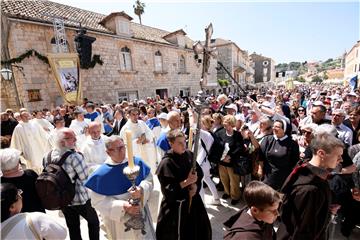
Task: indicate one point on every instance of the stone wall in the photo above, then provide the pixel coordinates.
(102, 83)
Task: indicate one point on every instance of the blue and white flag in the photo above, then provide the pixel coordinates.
(353, 82)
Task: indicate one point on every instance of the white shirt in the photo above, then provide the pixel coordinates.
(345, 134)
(208, 141)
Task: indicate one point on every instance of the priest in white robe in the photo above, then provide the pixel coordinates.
(110, 192)
(39, 119)
(142, 139)
(93, 148)
(79, 125)
(32, 140)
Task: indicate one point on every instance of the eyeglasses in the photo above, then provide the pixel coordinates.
(116, 148)
(306, 132)
(337, 115)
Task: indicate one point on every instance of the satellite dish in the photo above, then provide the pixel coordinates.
(265, 63)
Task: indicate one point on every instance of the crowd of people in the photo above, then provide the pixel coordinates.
(292, 156)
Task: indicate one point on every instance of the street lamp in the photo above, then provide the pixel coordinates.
(6, 74)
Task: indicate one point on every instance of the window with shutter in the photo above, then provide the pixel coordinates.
(182, 68)
(125, 59)
(158, 62)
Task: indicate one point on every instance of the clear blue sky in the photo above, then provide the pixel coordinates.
(283, 30)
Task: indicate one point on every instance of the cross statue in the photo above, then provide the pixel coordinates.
(206, 56)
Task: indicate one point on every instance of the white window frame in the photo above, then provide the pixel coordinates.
(127, 95)
(123, 27)
(125, 59)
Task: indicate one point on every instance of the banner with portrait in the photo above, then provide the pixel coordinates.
(66, 70)
(289, 84)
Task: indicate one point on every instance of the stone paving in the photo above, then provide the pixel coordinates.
(217, 215)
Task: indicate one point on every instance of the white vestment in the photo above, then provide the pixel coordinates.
(45, 124)
(112, 211)
(79, 130)
(45, 226)
(147, 152)
(94, 152)
(52, 135)
(32, 141)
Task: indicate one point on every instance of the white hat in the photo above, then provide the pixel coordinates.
(162, 116)
(351, 94)
(232, 106)
(240, 117)
(9, 158)
(318, 103)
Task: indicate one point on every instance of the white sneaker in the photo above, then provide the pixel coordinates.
(214, 202)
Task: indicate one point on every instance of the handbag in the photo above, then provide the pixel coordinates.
(242, 166)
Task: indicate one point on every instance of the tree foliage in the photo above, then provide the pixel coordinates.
(223, 82)
(139, 9)
(316, 79)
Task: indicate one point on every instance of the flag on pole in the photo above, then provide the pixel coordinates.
(353, 82)
(65, 67)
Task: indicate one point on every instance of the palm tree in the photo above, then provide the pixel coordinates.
(139, 9)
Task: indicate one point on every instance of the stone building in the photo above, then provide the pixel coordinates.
(352, 62)
(264, 68)
(236, 61)
(139, 61)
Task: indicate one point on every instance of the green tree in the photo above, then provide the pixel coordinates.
(316, 79)
(223, 82)
(139, 9)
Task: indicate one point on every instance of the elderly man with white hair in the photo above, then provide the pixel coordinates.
(22, 179)
(75, 166)
(93, 148)
(344, 133)
(223, 101)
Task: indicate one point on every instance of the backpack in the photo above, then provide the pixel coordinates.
(54, 186)
(216, 150)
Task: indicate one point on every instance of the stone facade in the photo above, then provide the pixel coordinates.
(236, 61)
(352, 62)
(106, 83)
(264, 68)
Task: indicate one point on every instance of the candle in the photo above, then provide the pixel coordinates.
(190, 139)
(129, 148)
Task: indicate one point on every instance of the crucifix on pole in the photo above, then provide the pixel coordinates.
(200, 102)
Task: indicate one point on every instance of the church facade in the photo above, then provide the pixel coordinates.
(138, 61)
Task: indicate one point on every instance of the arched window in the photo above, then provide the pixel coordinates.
(182, 67)
(158, 62)
(125, 59)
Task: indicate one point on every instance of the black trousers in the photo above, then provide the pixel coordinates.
(72, 216)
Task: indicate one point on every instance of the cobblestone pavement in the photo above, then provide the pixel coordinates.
(217, 215)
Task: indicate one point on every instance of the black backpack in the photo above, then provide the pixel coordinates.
(216, 150)
(54, 186)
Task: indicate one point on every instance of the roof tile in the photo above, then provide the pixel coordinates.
(36, 10)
